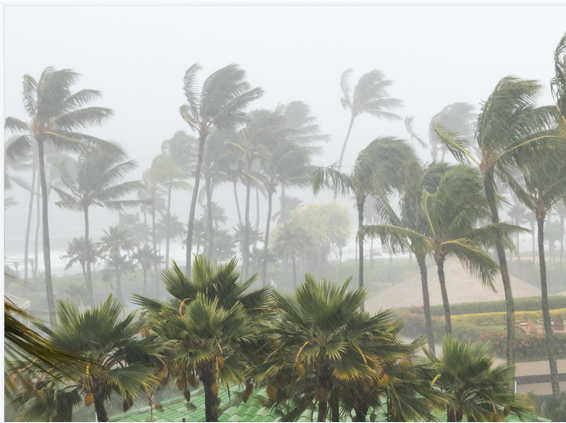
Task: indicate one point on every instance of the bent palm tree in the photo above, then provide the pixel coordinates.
(77, 252)
(92, 180)
(224, 96)
(379, 167)
(507, 127)
(369, 96)
(56, 113)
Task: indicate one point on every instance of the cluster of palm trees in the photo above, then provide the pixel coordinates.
(311, 350)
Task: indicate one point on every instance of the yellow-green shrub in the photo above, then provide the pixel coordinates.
(499, 318)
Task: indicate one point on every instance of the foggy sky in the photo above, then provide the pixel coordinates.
(137, 57)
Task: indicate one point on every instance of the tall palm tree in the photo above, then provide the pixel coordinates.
(145, 257)
(93, 180)
(55, 115)
(421, 178)
(558, 83)
(305, 132)
(379, 167)
(119, 356)
(508, 125)
(545, 187)
(369, 96)
(224, 96)
(452, 215)
(476, 389)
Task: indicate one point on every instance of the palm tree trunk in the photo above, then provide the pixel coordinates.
(371, 260)
(188, 269)
(283, 212)
(344, 148)
(257, 211)
(167, 230)
(561, 239)
(246, 246)
(334, 408)
(511, 333)
(266, 242)
(294, 273)
(533, 235)
(361, 247)
(324, 384)
(118, 285)
(546, 312)
(154, 242)
(426, 300)
(89, 289)
(98, 394)
(30, 212)
(209, 217)
(46, 245)
(237, 203)
(207, 375)
(36, 243)
(445, 303)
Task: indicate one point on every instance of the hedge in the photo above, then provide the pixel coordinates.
(491, 319)
(528, 347)
(521, 304)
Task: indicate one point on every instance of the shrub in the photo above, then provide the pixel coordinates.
(491, 319)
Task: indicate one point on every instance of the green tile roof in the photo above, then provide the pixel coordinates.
(174, 410)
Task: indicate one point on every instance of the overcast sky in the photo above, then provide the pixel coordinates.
(137, 57)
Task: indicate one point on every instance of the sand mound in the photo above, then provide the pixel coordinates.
(461, 286)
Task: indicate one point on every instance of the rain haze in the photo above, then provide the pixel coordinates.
(421, 128)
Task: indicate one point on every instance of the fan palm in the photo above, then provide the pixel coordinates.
(323, 340)
(119, 356)
(476, 389)
(452, 215)
(77, 252)
(212, 325)
(369, 96)
(508, 126)
(56, 113)
(220, 104)
(93, 180)
(379, 168)
(545, 187)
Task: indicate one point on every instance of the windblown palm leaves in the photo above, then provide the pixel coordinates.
(56, 114)
(476, 389)
(558, 83)
(120, 359)
(212, 324)
(93, 180)
(508, 127)
(220, 104)
(380, 167)
(369, 96)
(451, 217)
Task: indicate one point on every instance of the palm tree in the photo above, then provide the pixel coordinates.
(425, 177)
(305, 132)
(118, 354)
(452, 215)
(476, 389)
(264, 130)
(113, 242)
(508, 125)
(379, 168)
(369, 96)
(558, 83)
(145, 257)
(77, 252)
(92, 180)
(322, 339)
(211, 325)
(545, 187)
(220, 104)
(55, 114)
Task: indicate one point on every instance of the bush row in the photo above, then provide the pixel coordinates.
(528, 348)
(500, 318)
(521, 304)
